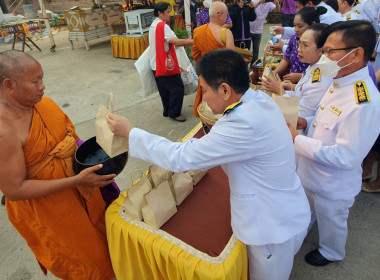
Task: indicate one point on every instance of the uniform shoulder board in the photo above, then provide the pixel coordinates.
(361, 92)
(348, 17)
(356, 11)
(232, 107)
(316, 75)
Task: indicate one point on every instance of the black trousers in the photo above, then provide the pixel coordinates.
(287, 20)
(171, 90)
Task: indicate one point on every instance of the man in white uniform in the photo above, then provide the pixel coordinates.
(347, 10)
(339, 136)
(269, 209)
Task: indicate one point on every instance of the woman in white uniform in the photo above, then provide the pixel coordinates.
(312, 85)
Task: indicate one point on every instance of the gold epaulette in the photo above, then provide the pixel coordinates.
(231, 107)
(316, 75)
(361, 92)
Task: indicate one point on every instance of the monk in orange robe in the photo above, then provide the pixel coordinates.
(58, 213)
(209, 37)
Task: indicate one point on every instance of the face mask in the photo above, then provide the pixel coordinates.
(330, 68)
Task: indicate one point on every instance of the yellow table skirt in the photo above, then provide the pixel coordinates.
(129, 46)
(140, 252)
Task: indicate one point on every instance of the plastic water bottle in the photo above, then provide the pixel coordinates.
(274, 40)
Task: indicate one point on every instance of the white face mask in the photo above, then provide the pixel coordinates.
(330, 68)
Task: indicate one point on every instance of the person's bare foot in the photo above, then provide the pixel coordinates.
(371, 187)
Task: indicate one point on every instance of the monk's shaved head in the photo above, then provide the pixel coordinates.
(12, 64)
(217, 8)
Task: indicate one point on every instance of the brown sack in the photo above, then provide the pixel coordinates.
(157, 174)
(158, 205)
(111, 144)
(135, 195)
(182, 186)
(197, 175)
(288, 107)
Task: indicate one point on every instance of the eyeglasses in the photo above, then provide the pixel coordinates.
(302, 45)
(328, 51)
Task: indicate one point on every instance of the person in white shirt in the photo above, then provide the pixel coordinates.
(170, 88)
(262, 9)
(269, 209)
(339, 136)
(313, 85)
(347, 10)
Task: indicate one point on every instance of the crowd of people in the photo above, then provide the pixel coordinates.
(290, 176)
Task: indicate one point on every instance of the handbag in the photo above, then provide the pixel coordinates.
(288, 107)
(135, 196)
(182, 186)
(113, 145)
(188, 75)
(158, 205)
(197, 175)
(148, 81)
(166, 62)
(247, 55)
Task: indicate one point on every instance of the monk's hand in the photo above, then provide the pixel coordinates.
(119, 125)
(88, 177)
(292, 130)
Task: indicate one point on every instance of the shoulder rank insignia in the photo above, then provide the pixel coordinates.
(361, 92)
(231, 107)
(356, 11)
(335, 110)
(316, 75)
(348, 17)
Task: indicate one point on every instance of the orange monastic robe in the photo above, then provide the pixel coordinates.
(204, 42)
(65, 230)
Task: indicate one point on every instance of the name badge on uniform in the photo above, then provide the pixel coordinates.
(335, 110)
(316, 76)
(231, 107)
(361, 92)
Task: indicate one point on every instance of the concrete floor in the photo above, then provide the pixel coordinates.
(79, 80)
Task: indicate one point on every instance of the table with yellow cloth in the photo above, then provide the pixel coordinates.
(129, 46)
(186, 246)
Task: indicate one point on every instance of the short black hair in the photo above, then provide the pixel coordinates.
(224, 66)
(350, 2)
(320, 34)
(356, 33)
(160, 7)
(311, 14)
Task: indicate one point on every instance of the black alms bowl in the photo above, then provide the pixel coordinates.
(90, 153)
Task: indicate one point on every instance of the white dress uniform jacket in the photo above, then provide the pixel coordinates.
(353, 14)
(254, 147)
(310, 89)
(338, 138)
